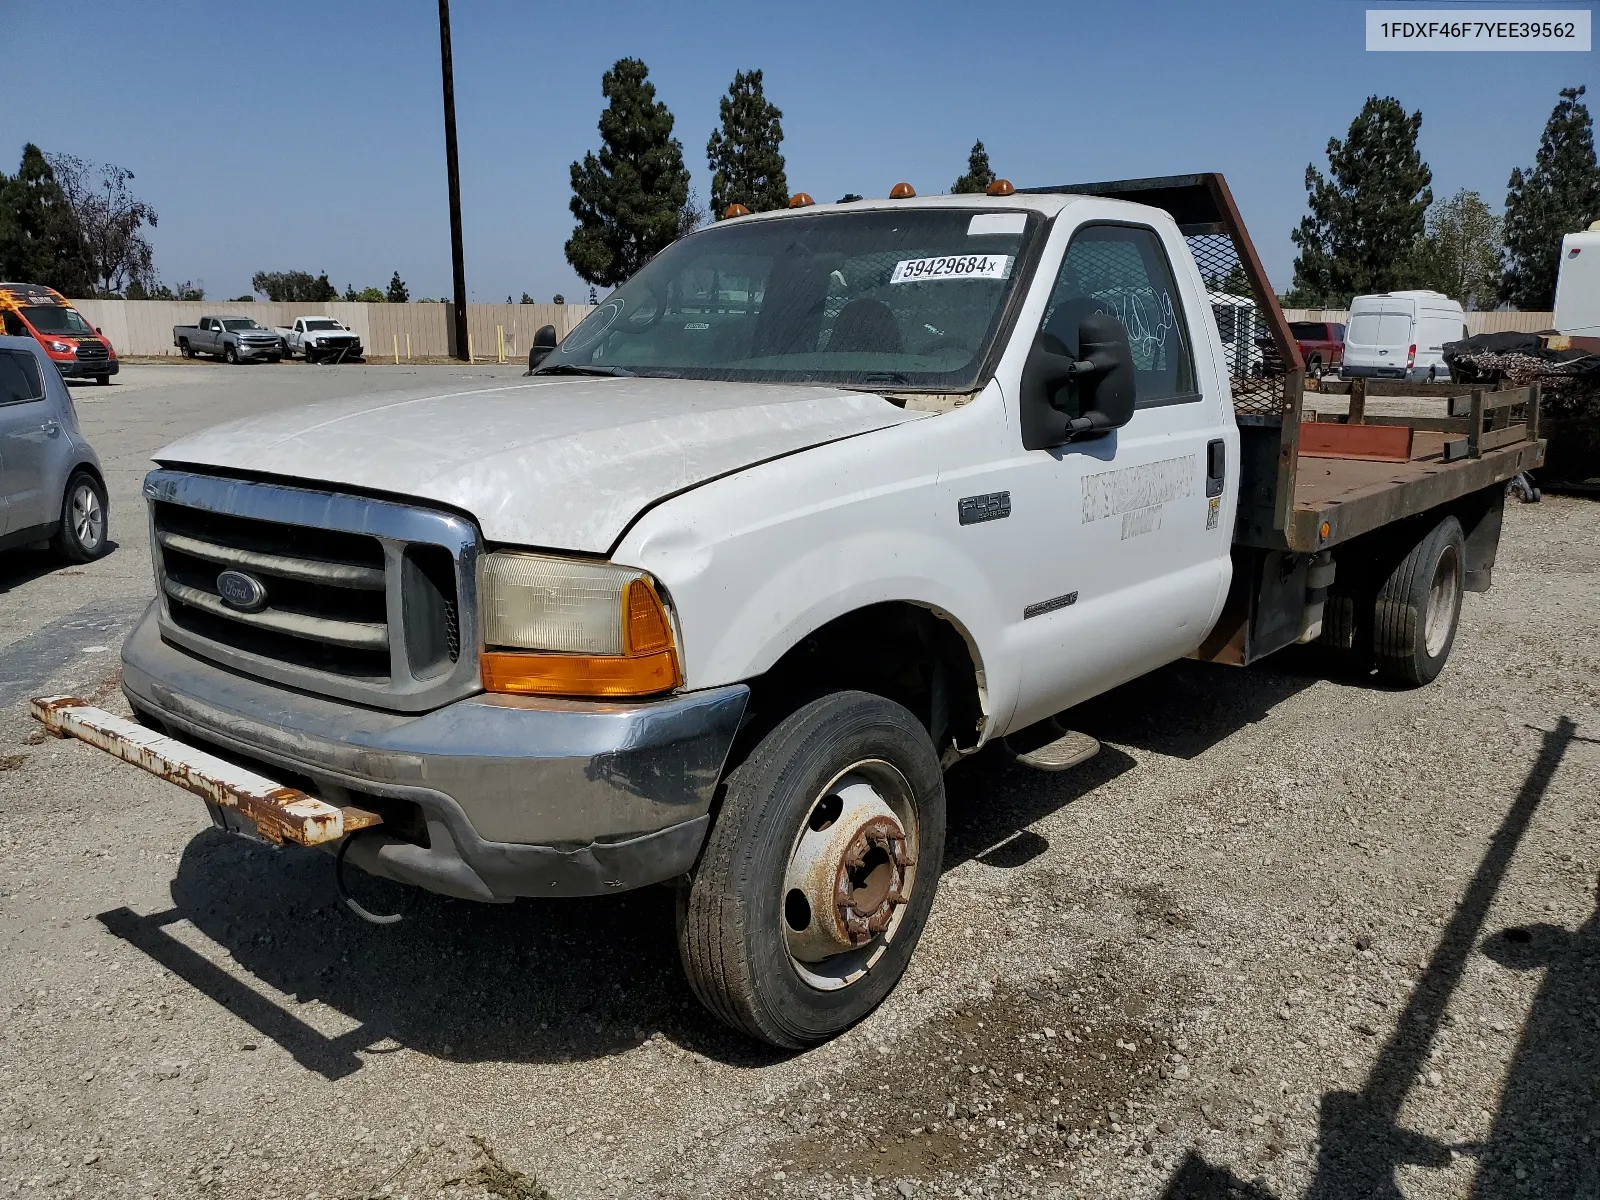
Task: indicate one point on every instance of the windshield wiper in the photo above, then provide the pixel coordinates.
(580, 369)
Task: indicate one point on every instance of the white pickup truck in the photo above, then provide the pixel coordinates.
(817, 504)
(321, 339)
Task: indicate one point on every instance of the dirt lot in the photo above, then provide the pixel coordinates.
(1285, 937)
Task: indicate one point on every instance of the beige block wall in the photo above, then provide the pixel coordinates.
(1477, 322)
(144, 327)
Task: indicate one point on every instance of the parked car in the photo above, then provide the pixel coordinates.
(1401, 335)
(720, 591)
(52, 491)
(1321, 347)
(235, 339)
(320, 339)
(78, 349)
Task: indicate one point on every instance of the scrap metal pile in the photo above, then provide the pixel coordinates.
(1569, 385)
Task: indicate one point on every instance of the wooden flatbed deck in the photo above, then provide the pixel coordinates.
(1353, 496)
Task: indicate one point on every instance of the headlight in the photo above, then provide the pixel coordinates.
(565, 627)
(61, 347)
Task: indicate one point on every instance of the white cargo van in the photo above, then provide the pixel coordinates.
(1401, 335)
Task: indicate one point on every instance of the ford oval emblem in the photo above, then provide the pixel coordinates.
(241, 591)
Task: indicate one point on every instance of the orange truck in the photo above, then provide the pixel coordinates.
(78, 349)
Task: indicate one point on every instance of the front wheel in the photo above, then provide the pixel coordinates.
(1419, 607)
(81, 537)
(231, 355)
(819, 873)
(103, 380)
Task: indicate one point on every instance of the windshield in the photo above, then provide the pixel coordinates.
(323, 325)
(55, 319)
(239, 323)
(908, 298)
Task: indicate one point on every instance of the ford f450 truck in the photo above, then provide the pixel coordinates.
(818, 503)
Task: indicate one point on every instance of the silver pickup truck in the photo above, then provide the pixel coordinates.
(232, 338)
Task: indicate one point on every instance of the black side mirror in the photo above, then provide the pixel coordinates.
(544, 341)
(1066, 395)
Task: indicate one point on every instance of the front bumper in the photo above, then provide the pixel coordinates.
(1411, 375)
(71, 368)
(519, 796)
(262, 350)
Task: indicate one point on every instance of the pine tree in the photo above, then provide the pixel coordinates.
(746, 155)
(1365, 222)
(40, 238)
(979, 175)
(1559, 194)
(628, 199)
(398, 293)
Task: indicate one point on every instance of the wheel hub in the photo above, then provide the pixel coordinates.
(849, 873)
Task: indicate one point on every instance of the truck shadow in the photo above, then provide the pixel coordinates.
(578, 979)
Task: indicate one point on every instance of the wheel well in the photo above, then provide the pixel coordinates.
(905, 652)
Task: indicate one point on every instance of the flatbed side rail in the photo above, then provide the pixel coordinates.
(1266, 372)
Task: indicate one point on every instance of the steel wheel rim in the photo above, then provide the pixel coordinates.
(88, 517)
(849, 966)
(1442, 596)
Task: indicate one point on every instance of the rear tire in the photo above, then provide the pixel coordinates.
(1419, 607)
(740, 918)
(81, 536)
(1314, 368)
(185, 349)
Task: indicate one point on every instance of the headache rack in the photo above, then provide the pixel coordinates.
(1304, 499)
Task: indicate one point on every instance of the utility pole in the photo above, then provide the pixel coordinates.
(453, 170)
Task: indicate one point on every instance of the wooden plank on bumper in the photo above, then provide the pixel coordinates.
(281, 814)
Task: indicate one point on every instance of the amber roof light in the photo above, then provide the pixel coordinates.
(801, 200)
(902, 191)
(735, 210)
(1001, 187)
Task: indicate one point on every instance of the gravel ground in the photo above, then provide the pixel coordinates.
(1285, 936)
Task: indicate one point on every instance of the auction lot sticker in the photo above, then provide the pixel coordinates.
(1444, 29)
(952, 266)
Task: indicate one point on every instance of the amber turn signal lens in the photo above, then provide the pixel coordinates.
(801, 200)
(902, 191)
(647, 630)
(735, 210)
(1001, 187)
(579, 675)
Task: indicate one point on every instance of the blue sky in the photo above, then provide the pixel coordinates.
(308, 135)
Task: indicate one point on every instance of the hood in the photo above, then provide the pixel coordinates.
(562, 463)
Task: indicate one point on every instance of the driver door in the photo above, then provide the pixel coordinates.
(1129, 551)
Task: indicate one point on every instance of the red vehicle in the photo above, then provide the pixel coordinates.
(77, 348)
(1321, 347)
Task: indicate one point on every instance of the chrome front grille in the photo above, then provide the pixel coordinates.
(351, 597)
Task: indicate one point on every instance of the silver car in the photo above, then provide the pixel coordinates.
(51, 488)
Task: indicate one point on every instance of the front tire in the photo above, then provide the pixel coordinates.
(1419, 607)
(103, 380)
(81, 536)
(230, 355)
(819, 873)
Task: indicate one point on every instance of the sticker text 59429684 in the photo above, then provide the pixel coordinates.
(952, 266)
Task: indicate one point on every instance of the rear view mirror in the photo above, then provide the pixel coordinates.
(1066, 395)
(544, 341)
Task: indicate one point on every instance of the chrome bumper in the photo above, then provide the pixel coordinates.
(521, 796)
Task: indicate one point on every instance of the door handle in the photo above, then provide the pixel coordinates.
(1216, 466)
(50, 428)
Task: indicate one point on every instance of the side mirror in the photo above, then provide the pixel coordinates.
(544, 341)
(97, 329)
(1067, 395)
